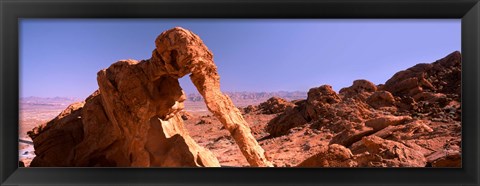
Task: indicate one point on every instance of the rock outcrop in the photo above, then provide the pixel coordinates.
(349, 136)
(322, 106)
(275, 105)
(361, 89)
(53, 139)
(422, 89)
(381, 99)
(441, 76)
(135, 118)
(331, 156)
(378, 153)
(380, 123)
(409, 121)
(387, 153)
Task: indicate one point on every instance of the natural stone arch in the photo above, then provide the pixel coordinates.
(134, 120)
(182, 52)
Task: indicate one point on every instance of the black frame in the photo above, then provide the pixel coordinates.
(11, 10)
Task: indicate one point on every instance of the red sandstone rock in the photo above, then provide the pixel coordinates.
(350, 136)
(275, 105)
(356, 133)
(386, 153)
(249, 109)
(381, 99)
(404, 131)
(53, 139)
(425, 96)
(445, 158)
(361, 89)
(281, 124)
(331, 156)
(442, 76)
(319, 97)
(385, 121)
(134, 118)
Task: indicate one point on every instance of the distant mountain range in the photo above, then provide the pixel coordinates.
(241, 98)
(254, 96)
(48, 101)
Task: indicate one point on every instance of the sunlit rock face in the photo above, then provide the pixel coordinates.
(413, 120)
(134, 118)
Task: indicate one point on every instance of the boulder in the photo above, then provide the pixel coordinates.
(331, 156)
(358, 86)
(249, 109)
(445, 158)
(317, 99)
(275, 105)
(54, 141)
(322, 95)
(381, 99)
(360, 89)
(352, 135)
(442, 76)
(386, 153)
(281, 124)
(404, 132)
(380, 123)
(355, 133)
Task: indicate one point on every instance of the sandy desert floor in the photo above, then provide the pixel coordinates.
(287, 150)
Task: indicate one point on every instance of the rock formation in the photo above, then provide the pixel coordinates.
(360, 89)
(413, 120)
(135, 118)
(379, 153)
(387, 153)
(331, 156)
(274, 105)
(445, 158)
(381, 99)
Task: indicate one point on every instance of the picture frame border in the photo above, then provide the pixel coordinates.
(12, 11)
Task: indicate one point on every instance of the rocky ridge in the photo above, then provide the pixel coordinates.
(406, 122)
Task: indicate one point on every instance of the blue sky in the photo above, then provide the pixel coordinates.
(60, 57)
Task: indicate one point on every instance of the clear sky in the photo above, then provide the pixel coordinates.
(60, 57)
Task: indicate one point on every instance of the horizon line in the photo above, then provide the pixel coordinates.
(186, 93)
